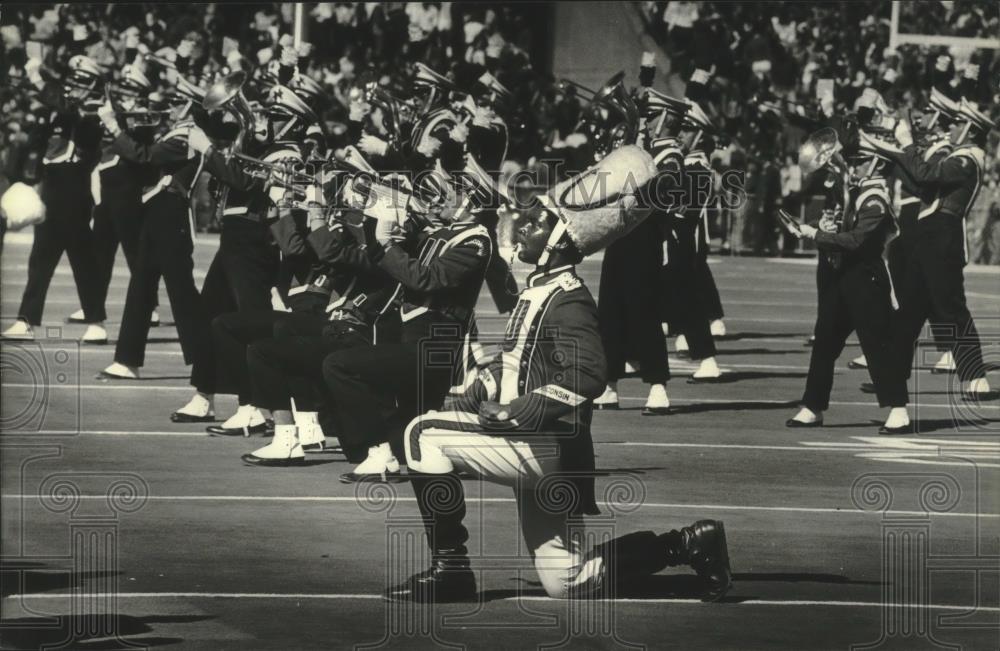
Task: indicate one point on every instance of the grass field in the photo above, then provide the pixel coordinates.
(838, 537)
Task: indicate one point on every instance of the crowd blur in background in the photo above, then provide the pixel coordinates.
(758, 52)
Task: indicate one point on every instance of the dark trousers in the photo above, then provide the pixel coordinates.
(116, 222)
(628, 305)
(706, 290)
(165, 249)
(933, 285)
(290, 365)
(233, 333)
(239, 279)
(854, 298)
(68, 204)
(689, 307)
(376, 391)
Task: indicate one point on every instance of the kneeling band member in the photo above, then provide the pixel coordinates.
(525, 422)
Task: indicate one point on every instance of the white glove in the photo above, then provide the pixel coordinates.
(482, 117)
(459, 132)
(429, 146)
(198, 140)
(304, 49)
(107, 115)
(904, 136)
(808, 232)
(373, 146)
(384, 230)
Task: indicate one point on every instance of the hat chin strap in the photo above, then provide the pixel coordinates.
(557, 232)
(965, 132)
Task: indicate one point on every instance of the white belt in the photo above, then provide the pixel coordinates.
(412, 314)
(240, 210)
(159, 187)
(95, 178)
(929, 210)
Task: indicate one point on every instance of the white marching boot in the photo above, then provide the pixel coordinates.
(805, 418)
(380, 466)
(200, 409)
(247, 421)
(858, 362)
(608, 399)
(708, 371)
(718, 328)
(77, 317)
(117, 371)
(898, 422)
(284, 450)
(95, 334)
(20, 331)
(657, 402)
(154, 319)
(310, 433)
(681, 346)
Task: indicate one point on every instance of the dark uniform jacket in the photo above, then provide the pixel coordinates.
(550, 367)
(117, 181)
(441, 271)
(955, 178)
(70, 138)
(867, 225)
(244, 194)
(177, 166)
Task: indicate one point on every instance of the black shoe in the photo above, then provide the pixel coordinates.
(854, 366)
(448, 579)
(791, 422)
(657, 411)
(942, 371)
(251, 460)
(895, 431)
(703, 547)
(606, 406)
(383, 478)
(179, 417)
(263, 429)
(868, 387)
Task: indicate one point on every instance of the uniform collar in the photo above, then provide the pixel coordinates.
(543, 276)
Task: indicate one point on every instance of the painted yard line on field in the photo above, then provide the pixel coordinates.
(790, 402)
(510, 500)
(333, 596)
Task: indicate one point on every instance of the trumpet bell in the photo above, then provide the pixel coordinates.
(224, 91)
(818, 149)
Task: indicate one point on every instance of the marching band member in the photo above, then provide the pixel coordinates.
(72, 148)
(117, 186)
(245, 267)
(166, 244)
(934, 280)
(441, 272)
(689, 238)
(525, 423)
(288, 368)
(857, 294)
(632, 281)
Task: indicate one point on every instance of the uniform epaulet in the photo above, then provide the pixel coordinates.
(568, 281)
(180, 129)
(664, 148)
(971, 151)
(698, 158)
(879, 192)
(477, 230)
(935, 148)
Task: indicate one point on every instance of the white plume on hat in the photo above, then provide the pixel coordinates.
(599, 205)
(21, 206)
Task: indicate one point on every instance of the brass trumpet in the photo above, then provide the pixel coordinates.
(166, 63)
(263, 170)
